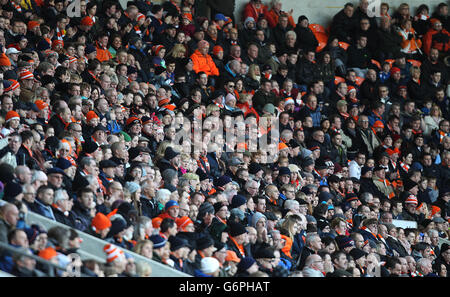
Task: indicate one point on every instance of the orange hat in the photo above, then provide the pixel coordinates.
(26, 74)
(33, 24)
(217, 49)
(156, 222)
(140, 16)
(100, 222)
(40, 104)
(232, 257)
(11, 115)
(87, 21)
(183, 222)
(4, 60)
(411, 200)
(48, 253)
(434, 21)
(112, 252)
(351, 89)
(133, 121)
(434, 210)
(187, 16)
(91, 115)
(56, 42)
(418, 207)
(378, 124)
(157, 48)
(15, 84)
(282, 146)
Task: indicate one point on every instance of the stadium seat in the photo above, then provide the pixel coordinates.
(344, 45)
(415, 62)
(338, 79)
(317, 28)
(390, 61)
(321, 46)
(376, 63)
(359, 80)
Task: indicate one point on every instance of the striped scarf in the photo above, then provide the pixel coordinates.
(404, 166)
(60, 34)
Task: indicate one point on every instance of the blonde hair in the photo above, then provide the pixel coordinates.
(435, 106)
(140, 244)
(251, 71)
(162, 149)
(288, 224)
(143, 269)
(191, 176)
(211, 108)
(176, 50)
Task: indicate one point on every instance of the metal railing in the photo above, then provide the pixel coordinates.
(92, 248)
(50, 267)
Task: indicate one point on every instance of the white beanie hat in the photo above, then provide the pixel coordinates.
(208, 265)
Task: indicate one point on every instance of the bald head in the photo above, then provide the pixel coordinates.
(10, 214)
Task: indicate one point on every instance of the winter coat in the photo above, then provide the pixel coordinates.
(204, 63)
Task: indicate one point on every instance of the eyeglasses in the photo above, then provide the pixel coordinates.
(231, 86)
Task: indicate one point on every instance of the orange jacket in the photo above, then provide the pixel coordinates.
(103, 54)
(442, 43)
(409, 46)
(204, 63)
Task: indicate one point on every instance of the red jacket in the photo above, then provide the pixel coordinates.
(436, 39)
(272, 19)
(251, 11)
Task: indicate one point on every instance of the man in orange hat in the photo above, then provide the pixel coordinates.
(100, 225)
(26, 79)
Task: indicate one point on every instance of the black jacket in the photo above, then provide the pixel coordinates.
(306, 39)
(307, 72)
(83, 215)
(358, 57)
(69, 220)
(342, 26)
(389, 41)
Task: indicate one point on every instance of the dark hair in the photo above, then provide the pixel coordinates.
(166, 224)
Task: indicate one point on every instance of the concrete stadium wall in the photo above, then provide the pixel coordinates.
(322, 11)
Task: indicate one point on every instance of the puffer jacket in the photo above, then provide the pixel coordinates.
(204, 63)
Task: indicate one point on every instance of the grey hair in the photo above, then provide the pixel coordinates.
(289, 204)
(37, 174)
(162, 194)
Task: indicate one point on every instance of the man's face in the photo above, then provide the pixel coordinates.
(434, 55)
(372, 75)
(47, 196)
(341, 262)
(7, 104)
(362, 42)
(87, 199)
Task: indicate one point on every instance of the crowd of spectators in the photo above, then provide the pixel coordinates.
(134, 125)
